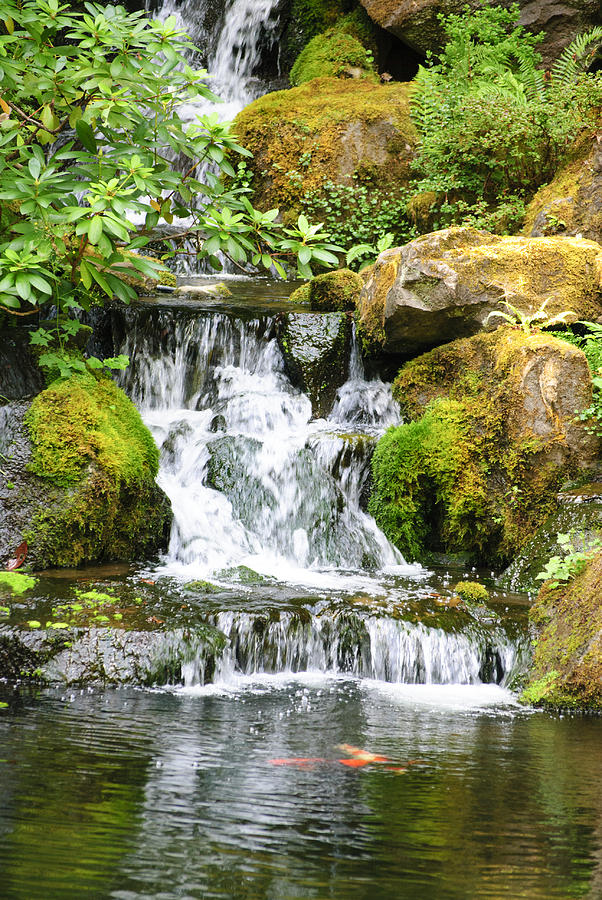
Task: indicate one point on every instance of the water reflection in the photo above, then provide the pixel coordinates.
(127, 795)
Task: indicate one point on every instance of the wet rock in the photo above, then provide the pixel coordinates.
(416, 22)
(572, 203)
(20, 376)
(493, 435)
(567, 658)
(443, 285)
(106, 655)
(335, 291)
(316, 350)
(578, 514)
(77, 478)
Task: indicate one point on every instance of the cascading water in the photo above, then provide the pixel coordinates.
(265, 495)
(232, 40)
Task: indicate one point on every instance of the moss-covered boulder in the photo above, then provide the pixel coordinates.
(567, 658)
(578, 516)
(417, 22)
(571, 203)
(443, 285)
(334, 54)
(347, 131)
(316, 352)
(77, 479)
(332, 292)
(492, 437)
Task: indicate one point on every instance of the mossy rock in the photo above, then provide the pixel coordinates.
(316, 349)
(333, 54)
(492, 438)
(443, 285)
(335, 291)
(567, 658)
(571, 203)
(301, 295)
(472, 592)
(83, 465)
(327, 128)
(578, 514)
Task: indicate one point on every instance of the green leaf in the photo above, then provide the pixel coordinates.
(86, 135)
(95, 229)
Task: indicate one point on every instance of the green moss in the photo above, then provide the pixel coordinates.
(82, 421)
(97, 461)
(309, 18)
(168, 279)
(17, 582)
(333, 53)
(301, 294)
(335, 291)
(567, 657)
(466, 474)
(472, 592)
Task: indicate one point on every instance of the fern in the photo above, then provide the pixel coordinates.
(578, 57)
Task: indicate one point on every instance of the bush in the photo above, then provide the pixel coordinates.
(89, 127)
(493, 128)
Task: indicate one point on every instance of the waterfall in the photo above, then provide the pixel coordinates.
(253, 480)
(232, 41)
(269, 518)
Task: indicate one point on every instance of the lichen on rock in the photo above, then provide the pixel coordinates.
(444, 285)
(492, 437)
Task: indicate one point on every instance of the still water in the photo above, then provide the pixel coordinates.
(190, 793)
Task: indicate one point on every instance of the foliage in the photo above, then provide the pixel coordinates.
(527, 321)
(332, 53)
(492, 126)
(17, 582)
(364, 218)
(89, 127)
(560, 569)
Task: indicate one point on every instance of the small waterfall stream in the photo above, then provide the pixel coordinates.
(268, 504)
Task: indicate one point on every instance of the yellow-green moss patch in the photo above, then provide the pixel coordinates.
(333, 54)
(327, 128)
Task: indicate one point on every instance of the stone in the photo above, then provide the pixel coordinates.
(331, 292)
(348, 131)
(578, 514)
(491, 437)
(567, 660)
(77, 478)
(443, 285)
(416, 22)
(316, 349)
(571, 204)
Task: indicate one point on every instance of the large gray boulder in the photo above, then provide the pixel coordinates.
(443, 285)
(416, 22)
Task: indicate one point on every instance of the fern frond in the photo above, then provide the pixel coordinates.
(577, 57)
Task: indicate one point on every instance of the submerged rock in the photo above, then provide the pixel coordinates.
(346, 131)
(443, 285)
(77, 480)
(567, 659)
(579, 515)
(316, 351)
(493, 436)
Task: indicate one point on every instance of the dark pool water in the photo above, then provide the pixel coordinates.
(136, 794)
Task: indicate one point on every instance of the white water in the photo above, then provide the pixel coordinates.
(224, 414)
(244, 28)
